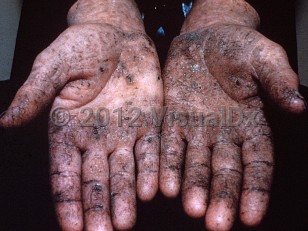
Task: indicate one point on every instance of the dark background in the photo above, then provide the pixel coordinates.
(25, 202)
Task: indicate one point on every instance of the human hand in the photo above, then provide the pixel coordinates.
(215, 126)
(103, 79)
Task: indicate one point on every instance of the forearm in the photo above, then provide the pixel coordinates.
(207, 12)
(122, 14)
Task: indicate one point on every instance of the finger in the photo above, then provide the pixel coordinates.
(147, 157)
(273, 70)
(68, 57)
(196, 179)
(171, 161)
(258, 164)
(48, 75)
(123, 189)
(95, 191)
(225, 187)
(65, 172)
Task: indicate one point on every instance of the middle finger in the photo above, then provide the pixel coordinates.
(123, 188)
(225, 187)
(95, 181)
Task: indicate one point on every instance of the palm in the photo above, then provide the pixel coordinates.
(212, 80)
(104, 84)
(102, 128)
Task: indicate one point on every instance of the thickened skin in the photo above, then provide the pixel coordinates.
(102, 77)
(216, 128)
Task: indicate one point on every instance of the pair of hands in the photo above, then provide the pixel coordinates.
(107, 96)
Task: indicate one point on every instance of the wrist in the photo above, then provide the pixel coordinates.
(122, 14)
(207, 12)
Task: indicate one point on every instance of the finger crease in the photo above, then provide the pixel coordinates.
(198, 165)
(145, 171)
(68, 201)
(173, 167)
(65, 174)
(91, 182)
(225, 171)
(256, 189)
(96, 208)
(268, 163)
(121, 174)
(226, 194)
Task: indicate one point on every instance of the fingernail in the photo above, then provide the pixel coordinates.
(2, 114)
(299, 95)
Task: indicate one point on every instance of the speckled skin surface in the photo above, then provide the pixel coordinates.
(216, 68)
(104, 63)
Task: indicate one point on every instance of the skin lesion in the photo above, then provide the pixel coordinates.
(216, 58)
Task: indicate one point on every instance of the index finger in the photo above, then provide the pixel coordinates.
(65, 172)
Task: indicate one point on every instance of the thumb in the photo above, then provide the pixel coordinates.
(47, 77)
(276, 76)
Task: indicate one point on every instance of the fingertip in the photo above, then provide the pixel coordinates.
(17, 115)
(124, 222)
(194, 209)
(70, 218)
(253, 208)
(251, 218)
(169, 188)
(95, 221)
(147, 189)
(290, 100)
(5, 121)
(219, 218)
(194, 203)
(2, 123)
(297, 103)
(71, 227)
(124, 213)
